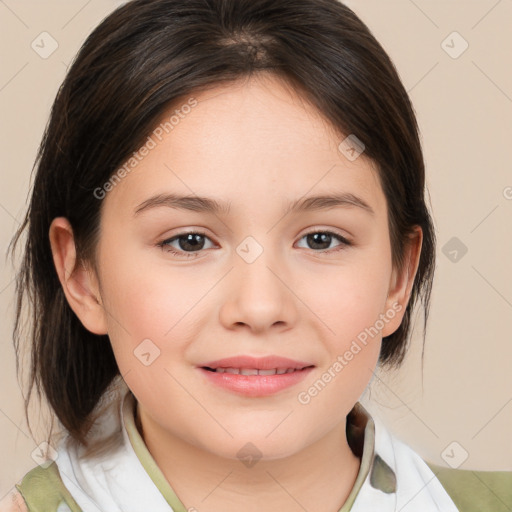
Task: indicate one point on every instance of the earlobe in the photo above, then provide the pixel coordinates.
(401, 283)
(80, 285)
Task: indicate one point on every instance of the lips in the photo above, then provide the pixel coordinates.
(255, 365)
(253, 371)
(253, 376)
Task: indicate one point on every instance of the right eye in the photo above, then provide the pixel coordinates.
(189, 243)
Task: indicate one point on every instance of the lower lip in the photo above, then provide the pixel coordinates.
(256, 385)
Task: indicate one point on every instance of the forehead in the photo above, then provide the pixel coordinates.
(250, 140)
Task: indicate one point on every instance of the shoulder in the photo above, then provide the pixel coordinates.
(40, 490)
(473, 490)
(13, 502)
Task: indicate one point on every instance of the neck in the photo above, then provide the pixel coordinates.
(320, 477)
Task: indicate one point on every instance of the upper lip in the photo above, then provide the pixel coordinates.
(259, 363)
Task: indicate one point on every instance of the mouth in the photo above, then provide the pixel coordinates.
(271, 362)
(254, 371)
(251, 376)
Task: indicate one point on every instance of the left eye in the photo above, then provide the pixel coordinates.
(324, 238)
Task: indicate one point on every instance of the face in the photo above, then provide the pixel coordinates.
(308, 290)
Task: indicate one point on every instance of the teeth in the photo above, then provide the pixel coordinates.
(267, 372)
(248, 371)
(255, 371)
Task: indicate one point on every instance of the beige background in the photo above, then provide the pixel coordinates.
(464, 107)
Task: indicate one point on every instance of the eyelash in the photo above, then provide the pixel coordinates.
(164, 243)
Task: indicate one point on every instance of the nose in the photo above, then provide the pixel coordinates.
(259, 296)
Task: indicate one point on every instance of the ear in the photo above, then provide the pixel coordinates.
(401, 283)
(80, 284)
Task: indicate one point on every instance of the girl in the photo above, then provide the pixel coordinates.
(227, 233)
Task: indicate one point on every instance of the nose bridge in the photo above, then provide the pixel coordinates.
(254, 265)
(258, 296)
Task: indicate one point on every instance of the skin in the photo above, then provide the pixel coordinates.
(259, 145)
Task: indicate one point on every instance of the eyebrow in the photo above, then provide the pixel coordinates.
(209, 205)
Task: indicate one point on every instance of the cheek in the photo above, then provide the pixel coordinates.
(149, 329)
(350, 298)
(147, 302)
(350, 307)
(148, 293)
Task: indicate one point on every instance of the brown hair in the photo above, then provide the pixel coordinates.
(138, 61)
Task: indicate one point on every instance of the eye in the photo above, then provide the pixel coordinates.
(323, 239)
(188, 244)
